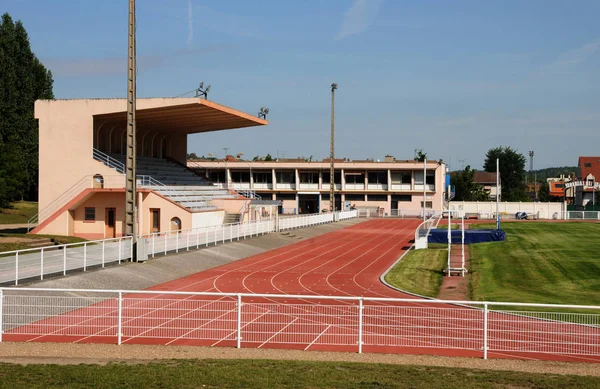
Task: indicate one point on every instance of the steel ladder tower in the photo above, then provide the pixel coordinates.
(130, 171)
(331, 154)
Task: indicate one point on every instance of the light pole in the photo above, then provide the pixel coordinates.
(331, 152)
(130, 168)
(226, 171)
(498, 193)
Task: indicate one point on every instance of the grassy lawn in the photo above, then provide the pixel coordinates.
(420, 272)
(554, 263)
(275, 374)
(19, 213)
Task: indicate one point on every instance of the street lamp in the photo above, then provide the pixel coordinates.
(331, 153)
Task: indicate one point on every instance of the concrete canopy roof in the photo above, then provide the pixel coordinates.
(200, 116)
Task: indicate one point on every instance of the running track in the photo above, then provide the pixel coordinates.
(347, 262)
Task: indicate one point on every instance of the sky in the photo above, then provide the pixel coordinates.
(454, 78)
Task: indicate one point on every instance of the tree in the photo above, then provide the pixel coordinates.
(23, 80)
(192, 156)
(420, 156)
(268, 158)
(465, 188)
(512, 172)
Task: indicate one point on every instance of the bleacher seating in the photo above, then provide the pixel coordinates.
(177, 183)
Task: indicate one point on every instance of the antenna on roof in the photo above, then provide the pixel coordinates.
(201, 91)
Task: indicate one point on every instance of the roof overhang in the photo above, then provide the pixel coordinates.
(200, 116)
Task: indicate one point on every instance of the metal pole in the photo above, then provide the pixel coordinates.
(17, 268)
(130, 168)
(424, 190)
(332, 153)
(463, 245)
(120, 318)
(449, 242)
(497, 193)
(239, 321)
(485, 331)
(1, 311)
(360, 325)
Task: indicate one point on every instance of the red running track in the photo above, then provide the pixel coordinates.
(347, 262)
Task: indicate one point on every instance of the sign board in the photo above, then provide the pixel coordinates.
(586, 183)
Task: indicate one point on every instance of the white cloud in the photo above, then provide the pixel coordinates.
(359, 17)
(579, 54)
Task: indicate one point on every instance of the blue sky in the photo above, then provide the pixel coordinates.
(454, 78)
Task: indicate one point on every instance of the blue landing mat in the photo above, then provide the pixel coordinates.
(471, 236)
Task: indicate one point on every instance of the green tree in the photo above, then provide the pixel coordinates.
(420, 156)
(268, 158)
(23, 80)
(512, 172)
(465, 188)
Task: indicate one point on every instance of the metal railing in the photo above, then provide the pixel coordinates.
(195, 238)
(583, 215)
(423, 230)
(288, 223)
(109, 161)
(39, 262)
(362, 324)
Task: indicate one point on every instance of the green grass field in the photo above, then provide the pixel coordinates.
(555, 263)
(19, 213)
(419, 272)
(275, 374)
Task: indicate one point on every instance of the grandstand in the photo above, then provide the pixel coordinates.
(82, 163)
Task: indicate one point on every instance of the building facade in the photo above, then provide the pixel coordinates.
(303, 187)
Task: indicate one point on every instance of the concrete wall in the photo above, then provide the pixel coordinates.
(168, 210)
(204, 219)
(544, 210)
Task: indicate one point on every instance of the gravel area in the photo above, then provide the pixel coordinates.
(65, 353)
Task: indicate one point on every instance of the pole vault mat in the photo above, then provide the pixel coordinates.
(471, 236)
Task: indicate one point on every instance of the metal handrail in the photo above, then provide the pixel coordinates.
(109, 161)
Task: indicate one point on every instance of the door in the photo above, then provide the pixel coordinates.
(109, 223)
(155, 220)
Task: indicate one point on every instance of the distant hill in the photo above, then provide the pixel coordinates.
(543, 174)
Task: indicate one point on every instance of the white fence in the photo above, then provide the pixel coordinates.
(288, 223)
(175, 241)
(487, 209)
(44, 261)
(583, 215)
(309, 322)
(422, 232)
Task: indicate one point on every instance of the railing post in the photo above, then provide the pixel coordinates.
(131, 249)
(360, 325)
(216, 235)
(120, 318)
(1, 312)
(84, 256)
(485, 330)
(42, 265)
(176, 241)
(230, 233)
(223, 234)
(153, 250)
(206, 235)
(120, 240)
(187, 241)
(165, 243)
(65, 260)
(103, 244)
(17, 268)
(239, 321)
(238, 231)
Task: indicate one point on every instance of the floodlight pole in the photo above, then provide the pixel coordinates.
(498, 193)
(130, 168)
(331, 153)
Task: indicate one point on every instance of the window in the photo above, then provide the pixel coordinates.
(355, 178)
(403, 198)
(309, 178)
(587, 164)
(401, 178)
(355, 197)
(90, 214)
(240, 177)
(378, 178)
(337, 177)
(285, 177)
(175, 224)
(430, 178)
(286, 196)
(263, 177)
(559, 185)
(419, 178)
(429, 204)
(217, 176)
(374, 197)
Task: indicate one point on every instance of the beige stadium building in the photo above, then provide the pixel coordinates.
(82, 147)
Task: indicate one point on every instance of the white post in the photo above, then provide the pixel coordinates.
(223, 234)
(360, 325)
(485, 330)
(65, 261)
(238, 232)
(120, 318)
(153, 250)
(497, 193)
(165, 243)
(103, 252)
(206, 236)
(187, 241)
(239, 321)
(84, 256)
(215, 235)
(131, 249)
(120, 240)
(176, 241)
(1, 312)
(463, 245)
(449, 241)
(42, 265)
(424, 190)
(17, 268)
(197, 238)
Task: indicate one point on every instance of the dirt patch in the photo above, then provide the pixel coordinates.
(68, 354)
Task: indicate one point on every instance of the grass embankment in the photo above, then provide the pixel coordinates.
(11, 242)
(275, 374)
(19, 213)
(554, 263)
(420, 272)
